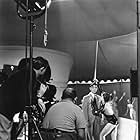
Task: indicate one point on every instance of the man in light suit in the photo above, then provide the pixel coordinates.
(90, 104)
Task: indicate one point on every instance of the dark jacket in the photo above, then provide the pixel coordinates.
(14, 93)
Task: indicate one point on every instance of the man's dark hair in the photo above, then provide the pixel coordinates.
(39, 62)
(23, 63)
(69, 93)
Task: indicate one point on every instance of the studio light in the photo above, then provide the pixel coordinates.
(33, 5)
(34, 8)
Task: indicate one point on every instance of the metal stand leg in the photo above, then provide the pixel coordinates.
(24, 127)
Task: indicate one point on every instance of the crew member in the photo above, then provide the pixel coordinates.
(15, 94)
(65, 120)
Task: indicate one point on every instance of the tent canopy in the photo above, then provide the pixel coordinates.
(74, 26)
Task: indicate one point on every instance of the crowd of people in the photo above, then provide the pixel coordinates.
(29, 90)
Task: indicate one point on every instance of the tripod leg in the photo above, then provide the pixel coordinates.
(20, 129)
(37, 130)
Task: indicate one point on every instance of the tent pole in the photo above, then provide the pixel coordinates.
(138, 64)
(96, 60)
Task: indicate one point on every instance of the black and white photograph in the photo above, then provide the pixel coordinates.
(69, 69)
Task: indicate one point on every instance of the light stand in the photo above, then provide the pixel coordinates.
(138, 62)
(30, 10)
(30, 83)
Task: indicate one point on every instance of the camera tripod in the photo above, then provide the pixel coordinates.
(23, 126)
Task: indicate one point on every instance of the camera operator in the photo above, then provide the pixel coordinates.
(15, 95)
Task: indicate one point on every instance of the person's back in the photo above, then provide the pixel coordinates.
(66, 117)
(62, 116)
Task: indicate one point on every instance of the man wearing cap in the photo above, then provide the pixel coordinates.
(65, 120)
(90, 104)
